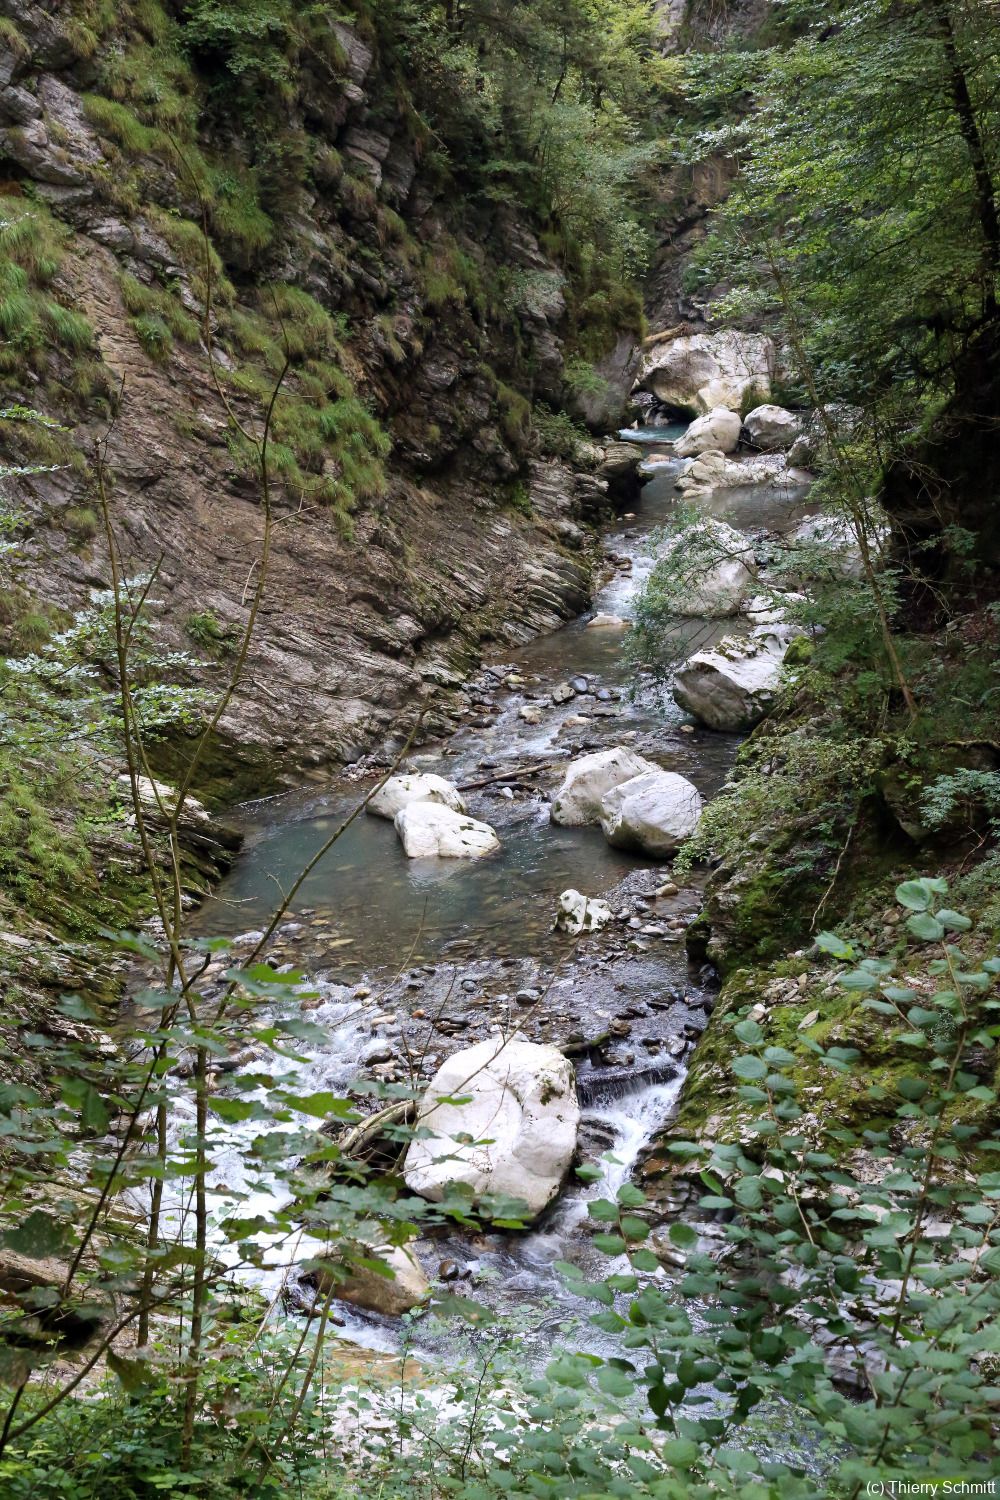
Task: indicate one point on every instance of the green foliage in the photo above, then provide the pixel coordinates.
(37, 331)
(858, 212)
(208, 632)
(557, 434)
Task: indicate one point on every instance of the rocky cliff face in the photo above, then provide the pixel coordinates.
(411, 522)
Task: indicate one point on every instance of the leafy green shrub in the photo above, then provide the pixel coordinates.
(556, 433)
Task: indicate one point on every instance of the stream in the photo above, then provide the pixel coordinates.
(390, 941)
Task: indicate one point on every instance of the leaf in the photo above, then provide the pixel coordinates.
(829, 942)
(682, 1234)
(858, 979)
(955, 921)
(609, 1244)
(629, 1196)
(914, 895)
(749, 1033)
(634, 1228)
(446, 1304)
(926, 927)
(614, 1382)
(39, 1236)
(93, 1115)
(749, 1067)
(133, 1373)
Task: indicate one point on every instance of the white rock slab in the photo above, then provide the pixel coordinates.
(428, 830)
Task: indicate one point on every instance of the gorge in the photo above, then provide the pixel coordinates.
(499, 772)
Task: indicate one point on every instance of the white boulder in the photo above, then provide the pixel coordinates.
(700, 371)
(371, 1289)
(399, 791)
(579, 913)
(719, 430)
(652, 813)
(712, 470)
(827, 545)
(711, 570)
(734, 685)
(515, 1134)
(772, 429)
(607, 622)
(587, 781)
(428, 830)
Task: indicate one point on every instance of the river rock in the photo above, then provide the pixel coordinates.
(733, 686)
(772, 429)
(515, 1135)
(811, 449)
(607, 622)
(619, 468)
(428, 830)
(712, 470)
(389, 1295)
(712, 568)
(719, 429)
(588, 780)
(701, 371)
(400, 791)
(563, 692)
(827, 546)
(652, 813)
(578, 913)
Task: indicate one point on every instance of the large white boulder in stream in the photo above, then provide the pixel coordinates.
(516, 1133)
(701, 371)
(399, 791)
(577, 801)
(428, 830)
(718, 430)
(732, 686)
(711, 570)
(652, 813)
(772, 429)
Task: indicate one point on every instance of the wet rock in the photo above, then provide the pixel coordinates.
(714, 566)
(564, 692)
(772, 429)
(578, 913)
(516, 1135)
(580, 684)
(529, 714)
(400, 791)
(428, 830)
(588, 780)
(607, 622)
(390, 1296)
(701, 371)
(719, 430)
(527, 997)
(651, 813)
(733, 686)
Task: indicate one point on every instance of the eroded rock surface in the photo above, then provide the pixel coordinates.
(515, 1135)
